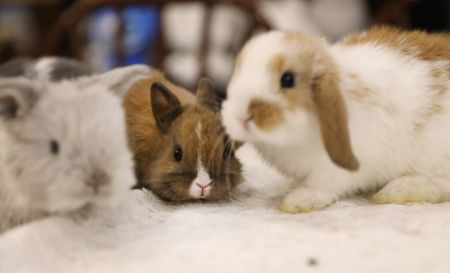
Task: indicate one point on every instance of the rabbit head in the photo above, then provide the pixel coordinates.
(66, 142)
(284, 92)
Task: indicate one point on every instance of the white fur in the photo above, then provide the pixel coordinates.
(44, 66)
(201, 185)
(202, 180)
(87, 120)
(381, 128)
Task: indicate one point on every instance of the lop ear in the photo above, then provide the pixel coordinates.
(165, 106)
(17, 98)
(206, 95)
(332, 115)
(120, 80)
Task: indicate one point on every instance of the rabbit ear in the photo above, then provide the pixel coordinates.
(120, 80)
(332, 115)
(206, 95)
(17, 97)
(165, 106)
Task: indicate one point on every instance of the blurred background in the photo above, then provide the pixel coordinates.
(189, 39)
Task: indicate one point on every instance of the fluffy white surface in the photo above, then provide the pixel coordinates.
(248, 235)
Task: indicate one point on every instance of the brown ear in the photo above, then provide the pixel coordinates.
(206, 95)
(165, 106)
(332, 115)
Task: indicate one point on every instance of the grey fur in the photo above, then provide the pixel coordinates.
(51, 68)
(15, 68)
(84, 117)
(69, 69)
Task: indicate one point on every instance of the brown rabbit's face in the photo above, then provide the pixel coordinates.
(195, 159)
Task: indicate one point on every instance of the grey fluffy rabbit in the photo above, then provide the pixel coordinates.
(63, 143)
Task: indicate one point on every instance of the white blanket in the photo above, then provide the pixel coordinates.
(246, 235)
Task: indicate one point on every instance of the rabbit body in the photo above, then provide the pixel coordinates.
(371, 112)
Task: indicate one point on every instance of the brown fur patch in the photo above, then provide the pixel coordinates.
(299, 98)
(206, 95)
(419, 44)
(265, 115)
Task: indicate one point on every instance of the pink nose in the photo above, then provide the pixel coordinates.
(203, 187)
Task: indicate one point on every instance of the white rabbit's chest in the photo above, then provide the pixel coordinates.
(287, 160)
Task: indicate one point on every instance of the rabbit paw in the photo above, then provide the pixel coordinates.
(305, 199)
(408, 189)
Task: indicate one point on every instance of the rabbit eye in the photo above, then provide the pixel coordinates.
(178, 154)
(54, 147)
(287, 80)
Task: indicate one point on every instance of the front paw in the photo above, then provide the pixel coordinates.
(305, 199)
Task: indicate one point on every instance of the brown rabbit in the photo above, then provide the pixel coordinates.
(180, 149)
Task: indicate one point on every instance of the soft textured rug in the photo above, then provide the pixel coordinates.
(246, 235)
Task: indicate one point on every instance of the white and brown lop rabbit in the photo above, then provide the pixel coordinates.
(371, 112)
(63, 144)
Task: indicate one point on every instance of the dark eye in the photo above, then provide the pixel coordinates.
(178, 154)
(54, 147)
(287, 80)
